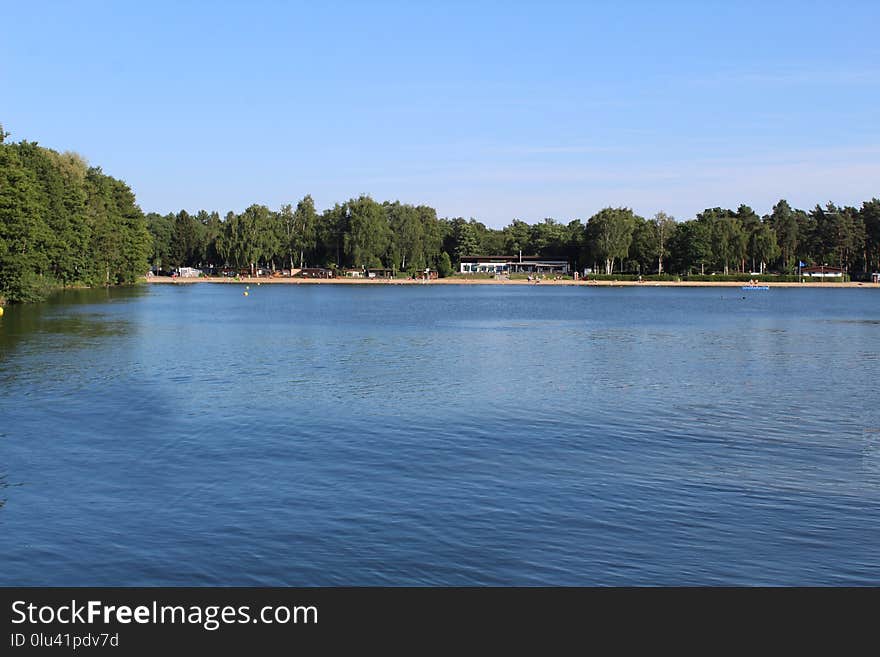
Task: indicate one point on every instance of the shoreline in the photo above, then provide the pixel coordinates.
(164, 280)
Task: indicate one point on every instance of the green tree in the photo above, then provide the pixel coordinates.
(369, 235)
(287, 223)
(517, 238)
(489, 240)
(433, 236)
(71, 256)
(784, 222)
(664, 226)
(249, 238)
(120, 242)
(332, 227)
(136, 240)
(184, 241)
(464, 239)
(62, 223)
(749, 227)
(643, 248)
(23, 232)
(61, 202)
(407, 235)
(444, 265)
(609, 234)
(763, 246)
(691, 245)
(870, 214)
(305, 222)
(161, 228)
(809, 242)
(573, 249)
(728, 240)
(103, 220)
(548, 238)
(839, 233)
(213, 229)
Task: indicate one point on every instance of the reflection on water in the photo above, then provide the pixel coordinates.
(43, 337)
(73, 315)
(439, 435)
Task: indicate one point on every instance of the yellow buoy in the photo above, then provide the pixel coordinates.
(1, 311)
(245, 293)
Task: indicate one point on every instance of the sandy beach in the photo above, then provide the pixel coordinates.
(164, 280)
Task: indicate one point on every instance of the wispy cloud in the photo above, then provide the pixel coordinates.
(632, 170)
(795, 77)
(562, 150)
(496, 192)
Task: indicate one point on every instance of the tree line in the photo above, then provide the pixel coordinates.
(63, 223)
(358, 233)
(362, 232)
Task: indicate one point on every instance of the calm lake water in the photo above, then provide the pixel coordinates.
(440, 435)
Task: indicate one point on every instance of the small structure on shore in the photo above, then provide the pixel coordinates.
(506, 264)
(823, 272)
(380, 272)
(875, 277)
(317, 272)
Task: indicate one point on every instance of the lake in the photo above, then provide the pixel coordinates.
(440, 435)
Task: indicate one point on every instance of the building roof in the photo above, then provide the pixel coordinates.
(512, 258)
(823, 268)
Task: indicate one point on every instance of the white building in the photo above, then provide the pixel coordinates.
(822, 272)
(502, 264)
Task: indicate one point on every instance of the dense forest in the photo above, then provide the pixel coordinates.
(365, 233)
(63, 223)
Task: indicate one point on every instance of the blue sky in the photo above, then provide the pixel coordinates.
(493, 110)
